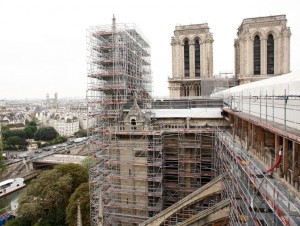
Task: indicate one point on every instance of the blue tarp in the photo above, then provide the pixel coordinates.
(4, 218)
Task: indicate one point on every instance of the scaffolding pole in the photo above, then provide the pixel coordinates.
(119, 73)
(255, 196)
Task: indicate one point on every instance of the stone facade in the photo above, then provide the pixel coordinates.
(64, 124)
(262, 49)
(192, 59)
(270, 61)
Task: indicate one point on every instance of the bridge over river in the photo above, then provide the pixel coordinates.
(24, 166)
(60, 159)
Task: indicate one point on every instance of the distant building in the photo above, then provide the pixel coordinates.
(2, 103)
(52, 102)
(192, 63)
(64, 124)
(7, 118)
(262, 48)
(82, 117)
(42, 116)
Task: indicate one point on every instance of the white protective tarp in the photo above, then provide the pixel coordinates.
(277, 86)
(266, 99)
(185, 113)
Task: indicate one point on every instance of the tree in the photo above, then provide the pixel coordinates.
(19, 222)
(3, 128)
(77, 172)
(45, 196)
(14, 132)
(81, 133)
(82, 195)
(33, 123)
(14, 140)
(3, 167)
(56, 217)
(59, 139)
(45, 134)
(45, 199)
(29, 131)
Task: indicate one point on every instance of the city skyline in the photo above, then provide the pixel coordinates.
(43, 45)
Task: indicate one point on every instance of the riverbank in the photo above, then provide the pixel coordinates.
(30, 175)
(5, 201)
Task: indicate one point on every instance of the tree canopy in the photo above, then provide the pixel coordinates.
(45, 134)
(46, 198)
(33, 123)
(82, 195)
(14, 132)
(30, 130)
(59, 139)
(19, 222)
(3, 167)
(15, 143)
(81, 133)
(14, 140)
(47, 193)
(4, 127)
(77, 172)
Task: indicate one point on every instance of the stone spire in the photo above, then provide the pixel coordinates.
(79, 220)
(114, 23)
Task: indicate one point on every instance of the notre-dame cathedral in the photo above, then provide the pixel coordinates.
(262, 49)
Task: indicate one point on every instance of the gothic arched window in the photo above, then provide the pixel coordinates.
(270, 54)
(186, 90)
(186, 59)
(197, 58)
(198, 90)
(133, 124)
(256, 55)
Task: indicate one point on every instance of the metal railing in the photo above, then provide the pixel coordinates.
(264, 192)
(269, 108)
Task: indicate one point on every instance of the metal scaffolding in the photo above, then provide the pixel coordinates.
(141, 164)
(256, 198)
(188, 165)
(118, 74)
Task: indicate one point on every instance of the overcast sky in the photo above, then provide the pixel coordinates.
(43, 43)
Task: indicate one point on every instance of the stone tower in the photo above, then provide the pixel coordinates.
(192, 59)
(262, 48)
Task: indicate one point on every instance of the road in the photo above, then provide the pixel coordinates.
(57, 148)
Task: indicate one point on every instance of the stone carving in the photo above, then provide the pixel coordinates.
(286, 31)
(175, 41)
(209, 38)
(135, 119)
(266, 24)
(189, 32)
(244, 34)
